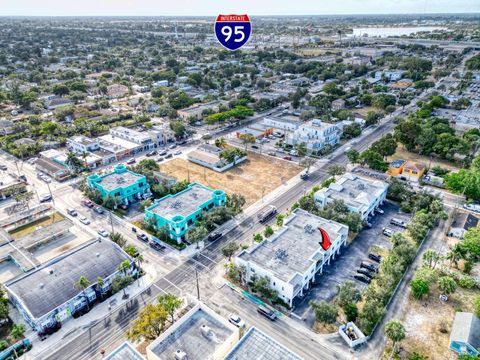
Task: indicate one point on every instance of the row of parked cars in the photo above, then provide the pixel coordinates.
(394, 221)
(367, 270)
(144, 238)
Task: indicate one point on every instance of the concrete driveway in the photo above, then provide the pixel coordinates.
(345, 266)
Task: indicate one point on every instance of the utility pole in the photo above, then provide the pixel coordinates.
(53, 202)
(198, 287)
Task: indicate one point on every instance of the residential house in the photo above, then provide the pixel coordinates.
(47, 296)
(141, 138)
(338, 104)
(412, 171)
(295, 254)
(396, 167)
(465, 334)
(117, 91)
(56, 102)
(180, 211)
(360, 195)
(461, 222)
(121, 184)
(198, 335)
(196, 111)
(82, 144)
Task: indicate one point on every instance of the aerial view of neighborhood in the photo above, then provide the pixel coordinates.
(209, 180)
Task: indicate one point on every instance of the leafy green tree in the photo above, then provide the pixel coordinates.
(229, 250)
(280, 219)
(334, 170)
(347, 293)
(17, 332)
(247, 139)
(197, 234)
(447, 285)
(354, 156)
(149, 324)
(4, 309)
(419, 288)
(170, 303)
(236, 202)
(118, 239)
(386, 146)
(374, 160)
(372, 118)
(431, 258)
(395, 331)
(178, 128)
(465, 182)
(351, 311)
(476, 305)
(324, 312)
(257, 237)
(301, 149)
(268, 231)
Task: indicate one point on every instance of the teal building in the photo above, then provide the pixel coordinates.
(122, 184)
(180, 211)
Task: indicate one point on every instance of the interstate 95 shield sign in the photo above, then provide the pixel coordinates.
(233, 31)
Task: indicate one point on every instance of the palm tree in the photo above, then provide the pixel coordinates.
(395, 331)
(83, 283)
(123, 268)
(247, 139)
(221, 142)
(100, 283)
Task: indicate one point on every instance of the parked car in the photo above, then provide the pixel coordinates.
(304, 176)
(3, 167)
(162, 153)
(71, 212)
(362, 278)
(84, 220)
(168, 156)
(379, 211)
(369, 266)
(270, 314)
(103, 233)
(173, 146)
(398, 222)
(254, 147)
(160, 159)
(214, 236)
(178, 152)
(99, 210)
(387, 232)
(142, 237)
(472, 207)
(289, 158)
(131, 161)
(88, 203)
(236, 320)
(156, 246)
(45, 198)
(272, 153)
(375, 257)
(151, 153)
(366, 273)
(22, 178)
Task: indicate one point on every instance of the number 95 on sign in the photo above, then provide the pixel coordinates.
(233, 31)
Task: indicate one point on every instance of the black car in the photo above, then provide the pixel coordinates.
(142, 237)
(214, 236)
(375, 257)
(151, 153)
(168, 156)
(367, 273)
(369, 266)
(156, 246)
(254, 147)
(159, 159)
(362, 279)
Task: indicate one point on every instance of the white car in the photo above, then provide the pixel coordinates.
(472, 207)
(84, 220)
(103, 233)
(235, 320)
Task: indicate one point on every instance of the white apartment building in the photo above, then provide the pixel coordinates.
(137, 137)
(81, 144)
(315, 134)
(292, 256)
(361, 195)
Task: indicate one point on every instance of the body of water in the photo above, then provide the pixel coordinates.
(393, 31)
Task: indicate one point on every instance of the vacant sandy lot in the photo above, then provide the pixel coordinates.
(401, 153)
(256, 175)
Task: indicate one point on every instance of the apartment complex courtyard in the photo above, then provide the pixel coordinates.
(258, 175)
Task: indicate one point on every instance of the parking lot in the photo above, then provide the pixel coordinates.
(349, 260)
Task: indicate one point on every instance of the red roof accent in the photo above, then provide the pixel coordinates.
(325, 243)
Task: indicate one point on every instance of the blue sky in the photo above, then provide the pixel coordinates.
(213, 7)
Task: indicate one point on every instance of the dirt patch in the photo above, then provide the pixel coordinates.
(35, 225)
(252, 178)
(402, 153)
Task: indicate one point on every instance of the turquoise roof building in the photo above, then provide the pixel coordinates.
(179, 212)
(121, 184)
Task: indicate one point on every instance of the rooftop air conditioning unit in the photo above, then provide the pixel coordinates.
(180, 355)
(207, 332)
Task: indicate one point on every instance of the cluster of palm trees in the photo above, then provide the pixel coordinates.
(83, 283)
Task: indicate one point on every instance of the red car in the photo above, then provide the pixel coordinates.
(88, 203)
(289, 158)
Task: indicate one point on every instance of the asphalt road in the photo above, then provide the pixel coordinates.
(107, 334)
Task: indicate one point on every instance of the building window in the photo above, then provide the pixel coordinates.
(253, 270)
(140, 184)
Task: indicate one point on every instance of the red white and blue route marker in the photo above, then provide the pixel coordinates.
(233, 31)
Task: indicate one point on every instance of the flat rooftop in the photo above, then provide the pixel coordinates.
(189, 337)
(183, 203)
(203, 156)
(124, 352)
(294, 248)
(52, 284)
(116, 141)
(256, 345)
(114, 180)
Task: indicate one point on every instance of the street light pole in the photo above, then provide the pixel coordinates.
(198, 287)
